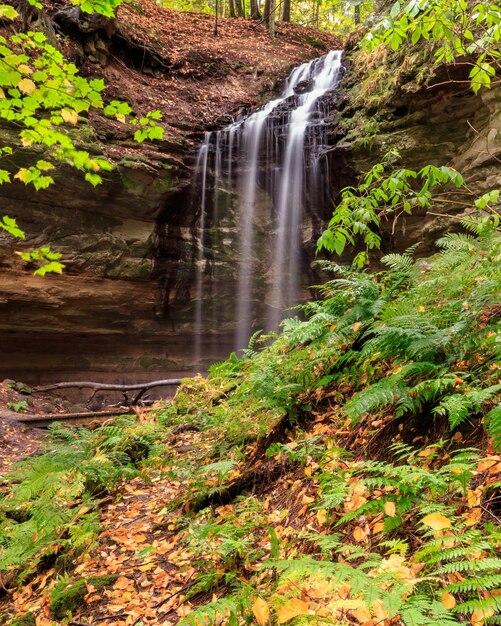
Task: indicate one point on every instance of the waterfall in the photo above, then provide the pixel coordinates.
(262, 168)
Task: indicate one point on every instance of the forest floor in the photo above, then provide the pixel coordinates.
(18, 440)
(171, 61)
(333, 476)
(164, 551)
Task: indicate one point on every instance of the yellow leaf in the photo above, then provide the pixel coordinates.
(147, 567)
(70, 116)
(343, 591)
(436, 521)
(2, 93)
(378, 528)
(25, 69)
(261, 612)
(448, 600)
(380, 613)
(479, 616)
(26, 85)
(308, 470)
(26, 141)
(307, 499)
(22, 174)
(389, 508)
(359, 534)
(291, 609)
(321, 517)
(356, 326)
(83, 510)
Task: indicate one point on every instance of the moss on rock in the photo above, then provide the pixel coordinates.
(69, 595)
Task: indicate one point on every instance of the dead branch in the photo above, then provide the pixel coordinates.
(56, 417)
(108, 386)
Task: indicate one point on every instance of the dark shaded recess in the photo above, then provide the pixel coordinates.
(400, 111)
(173, 265)
(70, 20)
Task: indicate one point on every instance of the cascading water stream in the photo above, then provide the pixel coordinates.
(287, 255)
(269, 157)
(201, 178)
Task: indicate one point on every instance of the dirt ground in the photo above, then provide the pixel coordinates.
(18, 440)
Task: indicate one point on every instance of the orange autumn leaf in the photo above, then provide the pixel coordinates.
(448, 600)
(486, 463)
(123, 583)
(436, 521)
(495, 469)
(291, 609)
(362, 615)
(474, 516)
(389, 508)
(359, 534)
(261, 612)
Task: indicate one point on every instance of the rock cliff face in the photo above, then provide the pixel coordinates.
(122, 308)
(430, 116)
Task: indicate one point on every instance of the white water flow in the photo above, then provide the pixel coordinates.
(287, 257)
(201, 181)
(271, 157)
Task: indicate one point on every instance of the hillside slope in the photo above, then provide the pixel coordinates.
(348, 473)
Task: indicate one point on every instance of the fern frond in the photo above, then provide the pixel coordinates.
(493, 423)
(223, 609)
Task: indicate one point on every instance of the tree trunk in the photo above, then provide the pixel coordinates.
(271, 18)
(287, 11)
(255, 14)
(266, 11)
(35, 19)
(239, 5)
(356, 13)
(233, 12)
(316, 9)
(216, 18)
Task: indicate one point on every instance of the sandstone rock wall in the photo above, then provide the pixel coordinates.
(123, 308)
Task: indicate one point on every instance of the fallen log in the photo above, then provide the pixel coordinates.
(81, 384)
(59, 417)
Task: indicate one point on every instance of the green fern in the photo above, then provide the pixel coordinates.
(493, 423)
(458, 407)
